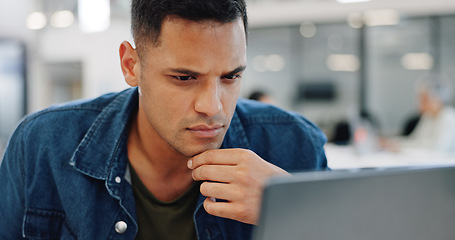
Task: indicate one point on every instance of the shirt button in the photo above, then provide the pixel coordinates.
(120, 227)
(118, 179)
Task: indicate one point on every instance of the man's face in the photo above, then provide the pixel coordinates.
(190, 82)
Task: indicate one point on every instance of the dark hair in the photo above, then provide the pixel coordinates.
(147, 16)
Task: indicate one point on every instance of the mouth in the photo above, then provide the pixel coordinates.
(206, 131)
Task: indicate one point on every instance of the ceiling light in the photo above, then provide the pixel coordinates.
(94, 15)
(62, 19)
(417, 61)
(308, 29)
(343, 63)
(275, 63)
(36, 20)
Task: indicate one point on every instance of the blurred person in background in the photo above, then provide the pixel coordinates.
(435, 129)
(261, 96)
(176, 156)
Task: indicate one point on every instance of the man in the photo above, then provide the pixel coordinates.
(174, 157)
(435, 130)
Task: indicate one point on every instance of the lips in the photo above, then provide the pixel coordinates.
(206, 131)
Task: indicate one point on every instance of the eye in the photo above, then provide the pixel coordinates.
(232, 76)
(184, 78)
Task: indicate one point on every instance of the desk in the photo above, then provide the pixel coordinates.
(345, 157)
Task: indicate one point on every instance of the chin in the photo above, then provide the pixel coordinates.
(191, 152)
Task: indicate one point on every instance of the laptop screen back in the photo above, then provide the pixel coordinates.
(401, 204)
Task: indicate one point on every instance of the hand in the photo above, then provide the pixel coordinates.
(235, 175)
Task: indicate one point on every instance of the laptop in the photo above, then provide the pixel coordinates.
(387, 204)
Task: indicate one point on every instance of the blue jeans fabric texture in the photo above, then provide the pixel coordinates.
(65, 175)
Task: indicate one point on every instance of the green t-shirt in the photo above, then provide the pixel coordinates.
(164, 220)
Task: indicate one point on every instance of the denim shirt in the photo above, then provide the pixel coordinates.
(65, 175)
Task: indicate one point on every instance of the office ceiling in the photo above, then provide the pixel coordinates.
(265, 12)
(275, 12)
(261, 12)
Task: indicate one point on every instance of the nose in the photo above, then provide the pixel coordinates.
(208, 99)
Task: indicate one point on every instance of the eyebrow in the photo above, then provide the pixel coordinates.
(193, 73)
(184, 71)
(237, 70)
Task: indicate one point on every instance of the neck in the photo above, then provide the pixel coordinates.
(162, 170)
(147, 148)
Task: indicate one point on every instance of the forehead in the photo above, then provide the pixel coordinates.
(179, 25)
(184, 40)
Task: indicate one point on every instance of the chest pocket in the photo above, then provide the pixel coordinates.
(45, 225)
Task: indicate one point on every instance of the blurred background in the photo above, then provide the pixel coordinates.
(337, 62)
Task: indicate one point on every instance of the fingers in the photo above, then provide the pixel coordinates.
(236, 176)
(220, 191)
(233, 210)
(217, 173)
(235, 202)
(220, 209)
(217, 157)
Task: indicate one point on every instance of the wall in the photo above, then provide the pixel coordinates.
(98, 53)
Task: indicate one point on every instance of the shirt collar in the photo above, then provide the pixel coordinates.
(104, 141)
(236, 136)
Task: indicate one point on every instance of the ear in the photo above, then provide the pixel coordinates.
(129, 62)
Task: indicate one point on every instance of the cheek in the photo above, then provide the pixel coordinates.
(230, 95)
(229, 104)
(165, 106)
(156, 94)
